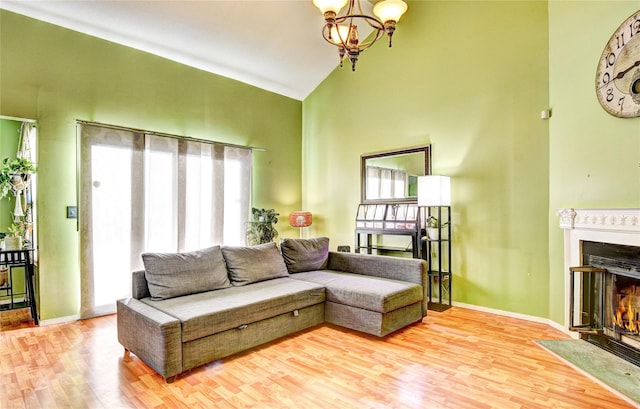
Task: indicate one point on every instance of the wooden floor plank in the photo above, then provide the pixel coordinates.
(458, 359)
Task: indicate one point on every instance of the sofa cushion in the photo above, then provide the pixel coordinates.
(251, 264)
(174, 274)
(212, 312)
(370, 293)
(305, 254)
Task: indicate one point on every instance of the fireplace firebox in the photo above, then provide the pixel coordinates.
(605, 298)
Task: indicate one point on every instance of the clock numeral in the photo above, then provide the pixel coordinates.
(621, 103)
(610, 95)
(634, 28)
(606, 78)
(620, 39)
(611, 60)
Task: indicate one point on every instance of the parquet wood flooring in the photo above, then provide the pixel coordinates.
(459, 358)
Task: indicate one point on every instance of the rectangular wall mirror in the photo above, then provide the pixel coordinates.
(392, 176)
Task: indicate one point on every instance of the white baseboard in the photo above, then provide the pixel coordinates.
(60, 320)
(43, 323)
(517, 315)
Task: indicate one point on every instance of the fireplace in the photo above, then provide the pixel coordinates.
(605, 298)
(602, 259)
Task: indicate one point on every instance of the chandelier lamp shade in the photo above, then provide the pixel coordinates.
(434, 190)
(341, 30)
(300, 219)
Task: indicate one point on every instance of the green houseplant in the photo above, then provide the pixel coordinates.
(260, 228)
(15, 174)
(16, 232)
(433, 227)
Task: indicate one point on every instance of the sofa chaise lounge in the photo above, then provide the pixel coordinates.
(189, 309)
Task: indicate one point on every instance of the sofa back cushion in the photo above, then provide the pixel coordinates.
(174, 274)
(251, 264)
(302, 255)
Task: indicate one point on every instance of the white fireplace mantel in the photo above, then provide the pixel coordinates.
(624, 220)
(615, 226)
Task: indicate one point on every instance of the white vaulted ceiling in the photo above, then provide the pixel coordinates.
(272, 44)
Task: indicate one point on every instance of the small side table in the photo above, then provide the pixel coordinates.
(19, 258)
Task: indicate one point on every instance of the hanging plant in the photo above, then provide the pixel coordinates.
(261, 227)
(15, 174)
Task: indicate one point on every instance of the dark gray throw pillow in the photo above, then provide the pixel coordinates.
(302, 255)
(254, 263)
(174, 274)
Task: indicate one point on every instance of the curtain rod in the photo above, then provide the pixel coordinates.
(167, 135)
(13, 118)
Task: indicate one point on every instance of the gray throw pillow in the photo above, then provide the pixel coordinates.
(174, 274)
(302, 255)
(254, 263)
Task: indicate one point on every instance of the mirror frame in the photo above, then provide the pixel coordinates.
(426, 150)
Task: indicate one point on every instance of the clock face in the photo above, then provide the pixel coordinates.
(618, 74)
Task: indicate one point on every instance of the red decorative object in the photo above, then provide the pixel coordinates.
(300, 219)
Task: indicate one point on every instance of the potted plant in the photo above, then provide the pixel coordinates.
(433, 227)
(261, 227)
(15, 174)
(13, 241)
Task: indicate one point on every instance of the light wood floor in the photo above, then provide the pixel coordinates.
(455, 359)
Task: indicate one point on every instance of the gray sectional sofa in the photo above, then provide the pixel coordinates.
(188, 309)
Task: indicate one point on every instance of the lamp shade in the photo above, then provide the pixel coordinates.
(389, 10)
(330, 5)
(300, 219)
(434, 190)
(339, 37)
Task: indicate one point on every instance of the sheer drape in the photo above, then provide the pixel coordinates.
(385, 183)
(27, 150)
(142, 192)
(27, 141)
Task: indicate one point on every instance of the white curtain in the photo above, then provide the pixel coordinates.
(26, 198)
(385, 183)
(27, 141)
(141, 192)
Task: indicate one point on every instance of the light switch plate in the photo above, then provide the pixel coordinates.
(72, 212)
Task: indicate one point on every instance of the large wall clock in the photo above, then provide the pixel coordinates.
(618, 74)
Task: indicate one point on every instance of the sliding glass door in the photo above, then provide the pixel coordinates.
(141, 192)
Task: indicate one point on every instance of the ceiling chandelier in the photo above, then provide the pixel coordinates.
(342, 30)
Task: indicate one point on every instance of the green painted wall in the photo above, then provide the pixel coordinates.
(594, 158)
(470, 78)
(57, 75)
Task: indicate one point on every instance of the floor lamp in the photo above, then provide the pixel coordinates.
(434, 191)
(300, 219)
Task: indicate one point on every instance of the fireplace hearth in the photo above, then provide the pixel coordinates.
(602, 255)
